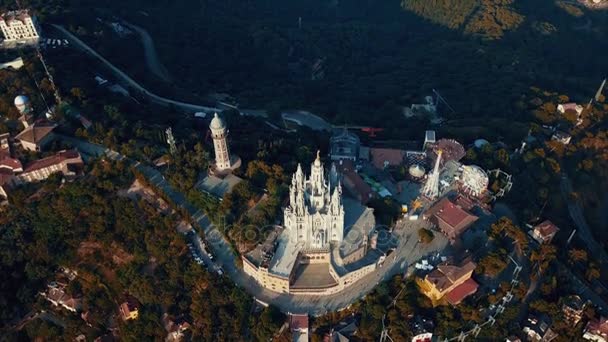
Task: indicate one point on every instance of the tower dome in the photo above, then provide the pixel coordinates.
(217, 122)
(22, 103)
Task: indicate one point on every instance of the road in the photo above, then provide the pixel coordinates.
(408, 250)
(154, 63)
(188, 107)
(583, 229)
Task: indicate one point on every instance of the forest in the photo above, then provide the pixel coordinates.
(376, 57)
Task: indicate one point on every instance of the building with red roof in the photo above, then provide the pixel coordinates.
(68, 162)
(452, 282)
(451, 218)
(298, 324)
(37, 136)
(386, 157)
(462, 291)
(544, 232)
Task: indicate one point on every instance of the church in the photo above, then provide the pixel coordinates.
(312, 252)
(315, 215)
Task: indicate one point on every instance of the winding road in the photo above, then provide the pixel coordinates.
(189, 107)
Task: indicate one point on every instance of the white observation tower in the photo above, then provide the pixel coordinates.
(219, 133)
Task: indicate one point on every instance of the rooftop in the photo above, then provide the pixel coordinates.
(389, 156)
(462, 291)
(35, 133)
(546, 228)
(52, 160)
(285, 256)
(298, 321)
(217, 186)
(445, 275)
(19, 15)
(313, 276)
(453, 215)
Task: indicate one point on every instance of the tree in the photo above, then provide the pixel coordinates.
(425, 235)
(577, 255)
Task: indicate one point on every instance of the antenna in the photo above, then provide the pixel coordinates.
(440, 98)
(50, 77)
(300, 23)
(171, 141)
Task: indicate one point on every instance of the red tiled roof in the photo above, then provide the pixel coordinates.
(11, 163)
(52, 160)
(392, 156)
(298, 321)
(452, 214)
(354, 183)
(35, 133)
(460, 292)
(546, 228)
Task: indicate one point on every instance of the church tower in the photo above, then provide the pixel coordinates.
(219, 133)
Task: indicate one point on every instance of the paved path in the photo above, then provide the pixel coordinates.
(408, 250)
(154, 63)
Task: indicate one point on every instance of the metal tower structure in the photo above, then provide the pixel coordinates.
(50, 77)
(171, 141)
(431, 187)
(598, 94)
(440, 98)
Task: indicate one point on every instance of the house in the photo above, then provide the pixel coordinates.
(565, 107)
(562, 137)
(68, 162)
(298, 324)
(386, 157)
(538, 328)
(572, 309)
(451, 218)
(596, 330)
(544, 232)
(56, 295)
(452, 282)
(343, 331)
(175, 328)
(36, 136)
(353, 183)
(129, 309)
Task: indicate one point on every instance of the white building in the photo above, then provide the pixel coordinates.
(315, 215)
(219, 133)
(19, 26)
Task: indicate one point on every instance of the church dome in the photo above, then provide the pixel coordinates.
(217, 122)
